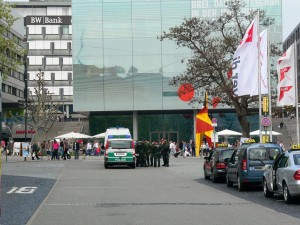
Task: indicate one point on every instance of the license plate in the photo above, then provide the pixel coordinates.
(120, 154)
(257, 168)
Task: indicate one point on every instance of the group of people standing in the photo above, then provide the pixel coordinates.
(149, 154)
(55, 150)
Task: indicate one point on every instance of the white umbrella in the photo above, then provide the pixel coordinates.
(73, 135)
(256, 133)
(101, 135)
(229, 133)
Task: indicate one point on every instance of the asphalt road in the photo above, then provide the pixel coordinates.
(83, 192)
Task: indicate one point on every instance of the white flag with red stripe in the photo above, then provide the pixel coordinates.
(286, 87)
(245, 62)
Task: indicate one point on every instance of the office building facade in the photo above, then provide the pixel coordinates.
(13, 81)
(49, 40)
(122, 70)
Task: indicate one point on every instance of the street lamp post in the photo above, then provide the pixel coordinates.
(26, 93)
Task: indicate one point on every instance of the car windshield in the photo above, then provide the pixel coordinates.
(226, 154)
(260, 154)
(124, 144)
(296, 159)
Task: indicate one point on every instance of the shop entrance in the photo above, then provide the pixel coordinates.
(169, 135)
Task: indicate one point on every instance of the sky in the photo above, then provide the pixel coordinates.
(290, 16)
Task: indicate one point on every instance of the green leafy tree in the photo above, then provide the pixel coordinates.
(11, 54)
(213, 43)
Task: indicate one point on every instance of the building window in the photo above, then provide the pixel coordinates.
(3, 87)
(21, 94)
(65, 29)
(14, 91)
(8, 89)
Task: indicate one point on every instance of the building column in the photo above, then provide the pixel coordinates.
(135, 125)
(67, 111)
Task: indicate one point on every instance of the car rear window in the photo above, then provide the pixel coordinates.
(296, 159)
(263, 153)
(226, 154)
(118, 144)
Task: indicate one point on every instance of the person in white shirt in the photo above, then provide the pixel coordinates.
(172, 148)
(89, 148)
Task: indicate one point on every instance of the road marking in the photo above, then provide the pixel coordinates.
(22, 190)
(149, 204)
(96, 187)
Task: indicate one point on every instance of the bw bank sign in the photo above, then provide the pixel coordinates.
(48, 20)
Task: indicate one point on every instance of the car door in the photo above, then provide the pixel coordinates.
(282, 164)
(231, 166)
(274, 170)
(214, 159)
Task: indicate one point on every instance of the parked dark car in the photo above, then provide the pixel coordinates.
(247, 164)
(215, 165)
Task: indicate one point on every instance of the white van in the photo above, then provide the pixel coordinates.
(119, 148)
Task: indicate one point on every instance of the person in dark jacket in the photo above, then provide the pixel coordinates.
(76, 149)
(35, 151)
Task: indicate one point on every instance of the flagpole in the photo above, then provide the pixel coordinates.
(259, 79)
(296, 87)
(269, 87)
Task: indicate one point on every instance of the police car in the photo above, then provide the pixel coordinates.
(283, 177)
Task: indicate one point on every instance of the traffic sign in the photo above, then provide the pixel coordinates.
(266, 121)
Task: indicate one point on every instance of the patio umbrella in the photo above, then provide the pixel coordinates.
(101, 135)
(256, 133)
(227, 132)
(73, 135)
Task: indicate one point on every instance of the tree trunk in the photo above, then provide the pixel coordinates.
(245, 125)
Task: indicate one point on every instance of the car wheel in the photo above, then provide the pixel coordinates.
(213, 177)
(267, 192)
(106, 165)
(241, 186)
(228, 182)
(286, 194)
(133, 166)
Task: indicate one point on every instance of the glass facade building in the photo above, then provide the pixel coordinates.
(122, 70)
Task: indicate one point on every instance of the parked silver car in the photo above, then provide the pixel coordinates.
(283, 177)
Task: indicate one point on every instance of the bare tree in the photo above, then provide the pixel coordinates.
(42, 110)
(213, 43)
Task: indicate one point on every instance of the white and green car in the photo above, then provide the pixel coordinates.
(119, 147)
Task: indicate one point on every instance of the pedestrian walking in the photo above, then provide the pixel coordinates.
(55, 147)
(193, 147)
(35, 151)
(66, 150)
(89, 148)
